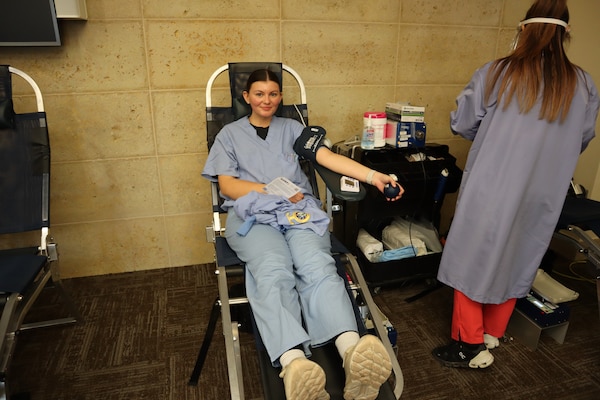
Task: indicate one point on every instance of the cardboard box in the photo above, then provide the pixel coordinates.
(405, 134)
(405, 112)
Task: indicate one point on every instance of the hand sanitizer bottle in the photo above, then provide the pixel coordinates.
(368, 136)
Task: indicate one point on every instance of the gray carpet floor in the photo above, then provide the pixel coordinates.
(142, 331)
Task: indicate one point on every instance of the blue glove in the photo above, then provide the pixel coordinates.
(398, 254)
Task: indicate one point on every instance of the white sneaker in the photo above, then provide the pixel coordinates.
(367, 366)
(491, 342)
(304, 380)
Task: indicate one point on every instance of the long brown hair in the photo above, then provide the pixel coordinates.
(538, 64)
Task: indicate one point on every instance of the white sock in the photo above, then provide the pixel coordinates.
(290, 356)
(345, 341)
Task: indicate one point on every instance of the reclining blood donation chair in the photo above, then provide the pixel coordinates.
(577, 234)
(228, 265)
(575, 240)
(28, 256)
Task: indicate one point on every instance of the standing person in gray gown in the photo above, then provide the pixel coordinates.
(529, 115)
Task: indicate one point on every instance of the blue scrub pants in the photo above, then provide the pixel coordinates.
(291, 278)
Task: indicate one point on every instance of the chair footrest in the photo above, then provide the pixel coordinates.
(48, 323)
(328, 358)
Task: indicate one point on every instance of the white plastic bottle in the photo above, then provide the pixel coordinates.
(368, 138)
(374, 123)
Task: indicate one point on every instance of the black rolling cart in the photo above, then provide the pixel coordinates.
(419, 171)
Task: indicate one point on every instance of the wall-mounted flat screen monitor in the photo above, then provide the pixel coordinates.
(28, 23)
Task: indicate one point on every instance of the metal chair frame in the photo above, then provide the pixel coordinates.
(16, 305)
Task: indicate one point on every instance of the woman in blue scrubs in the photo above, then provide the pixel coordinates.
(296, 295)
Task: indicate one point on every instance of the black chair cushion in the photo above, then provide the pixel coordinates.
(7, 114)
(226, 257)
(18, 269)
(582, 212)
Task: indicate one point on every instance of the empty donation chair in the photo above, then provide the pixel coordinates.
(228, 264)
(578, 231)
(28, 256)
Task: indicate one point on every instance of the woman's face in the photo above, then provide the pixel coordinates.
(264, 98)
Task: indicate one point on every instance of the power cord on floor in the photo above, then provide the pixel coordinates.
(574, 274)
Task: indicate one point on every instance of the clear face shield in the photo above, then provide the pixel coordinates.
(537, 20)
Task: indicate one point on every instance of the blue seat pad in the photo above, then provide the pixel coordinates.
(18, 269)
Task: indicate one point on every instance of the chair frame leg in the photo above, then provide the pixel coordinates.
(222, 305)
(208, 335)
(232, 338)
(11, 324)
(73, 312)
(16, 308)
(359, 279)
(8, 334)
(231, 333)
(592, 252)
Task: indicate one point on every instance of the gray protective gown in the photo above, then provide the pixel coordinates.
(513, 188)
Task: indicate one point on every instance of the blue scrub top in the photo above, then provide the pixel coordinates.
(239, 152)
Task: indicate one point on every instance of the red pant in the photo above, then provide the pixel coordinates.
(471, 319)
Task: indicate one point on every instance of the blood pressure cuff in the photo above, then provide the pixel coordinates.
(311, 139)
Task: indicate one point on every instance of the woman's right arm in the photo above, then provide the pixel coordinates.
(234, 188)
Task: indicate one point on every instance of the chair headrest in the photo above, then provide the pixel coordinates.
(240, 108)
(7, 114)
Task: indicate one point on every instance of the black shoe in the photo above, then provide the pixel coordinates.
(463, 355)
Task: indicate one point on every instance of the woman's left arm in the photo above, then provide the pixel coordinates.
(346, 166)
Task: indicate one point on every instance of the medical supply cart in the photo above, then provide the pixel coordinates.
(427, 173)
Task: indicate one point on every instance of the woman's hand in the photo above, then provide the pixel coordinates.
(234, 188)
(380, 180)
(297, 197)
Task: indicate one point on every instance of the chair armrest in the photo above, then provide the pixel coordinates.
(332, 181)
